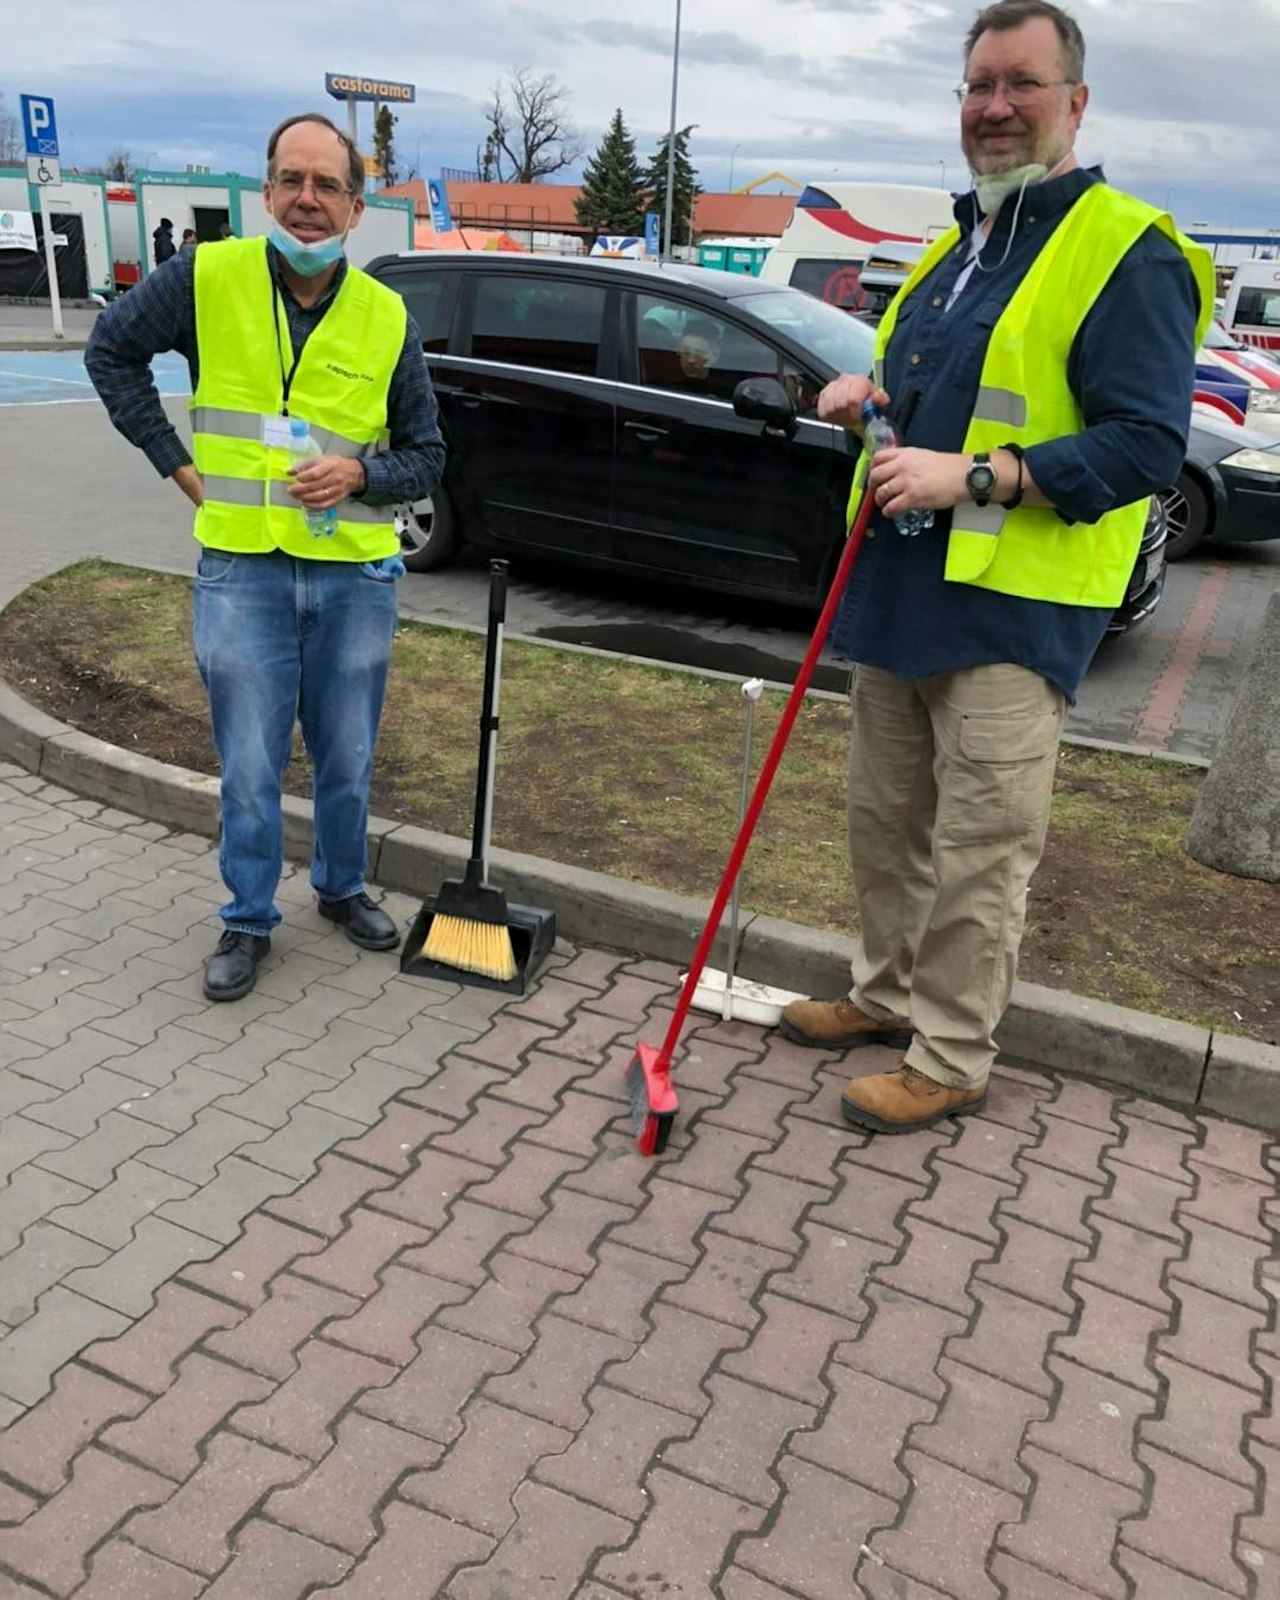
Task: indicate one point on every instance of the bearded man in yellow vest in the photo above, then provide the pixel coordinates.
(291, 349)
(1039, 366)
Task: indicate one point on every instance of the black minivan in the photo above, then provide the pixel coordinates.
(658, 420)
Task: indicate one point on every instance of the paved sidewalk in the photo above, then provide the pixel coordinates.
(358, 1288)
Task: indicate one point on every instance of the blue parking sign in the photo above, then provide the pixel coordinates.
(438, 200)
(39, 126)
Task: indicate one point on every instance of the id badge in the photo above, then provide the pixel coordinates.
(276, 434)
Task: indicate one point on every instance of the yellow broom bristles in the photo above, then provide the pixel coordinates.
(481, 947)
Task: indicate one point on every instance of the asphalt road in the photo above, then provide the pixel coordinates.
(73, 487)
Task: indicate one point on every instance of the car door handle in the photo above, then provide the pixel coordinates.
(644, 432)
(468, 398)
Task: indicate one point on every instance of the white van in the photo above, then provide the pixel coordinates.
(836, 226)
(1252, 311)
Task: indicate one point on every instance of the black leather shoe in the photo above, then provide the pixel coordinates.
(366, 924)
(232, 970)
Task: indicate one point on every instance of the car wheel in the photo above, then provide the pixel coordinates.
(1190, 512)
(428, 532)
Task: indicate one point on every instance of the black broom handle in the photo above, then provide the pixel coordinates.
(489, 716)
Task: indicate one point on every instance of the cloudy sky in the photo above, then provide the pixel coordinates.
(1183, 109)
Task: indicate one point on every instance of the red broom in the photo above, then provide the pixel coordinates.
(653, 1100)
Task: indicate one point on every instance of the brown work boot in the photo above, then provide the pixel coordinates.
(838, 1025)
(903, 1100)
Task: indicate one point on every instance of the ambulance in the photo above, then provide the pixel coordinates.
(1252, 310)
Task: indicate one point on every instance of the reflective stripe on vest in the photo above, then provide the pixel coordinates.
(245, 425)
(1024, 399)
(340, 388)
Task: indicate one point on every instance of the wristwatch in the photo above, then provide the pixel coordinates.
(980, 479)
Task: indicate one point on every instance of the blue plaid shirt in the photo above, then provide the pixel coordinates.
(160, 314)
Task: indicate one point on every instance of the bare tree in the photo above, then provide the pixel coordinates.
(118, 166)
(10, 135)
(530, 135)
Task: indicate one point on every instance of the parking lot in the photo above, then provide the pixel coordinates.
(73, 488)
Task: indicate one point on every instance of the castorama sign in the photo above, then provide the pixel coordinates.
(342, 86)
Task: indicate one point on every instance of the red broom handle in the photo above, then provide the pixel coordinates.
(761, 791)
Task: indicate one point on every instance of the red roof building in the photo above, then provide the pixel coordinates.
(549, 208)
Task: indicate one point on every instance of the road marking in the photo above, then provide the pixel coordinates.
(1193, 642)
(43, 377)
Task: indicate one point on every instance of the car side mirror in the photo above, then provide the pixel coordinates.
(765, 400)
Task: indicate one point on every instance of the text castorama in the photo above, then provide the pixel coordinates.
(342, 87)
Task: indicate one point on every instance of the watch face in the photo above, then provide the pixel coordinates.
(982, 478)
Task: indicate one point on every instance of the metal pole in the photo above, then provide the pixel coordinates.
(351, 120)
(752, 690)
(732, 153)
(671, 142)
(55, 298)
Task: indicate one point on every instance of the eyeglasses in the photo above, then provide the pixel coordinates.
(290, 184)
(1018, 91)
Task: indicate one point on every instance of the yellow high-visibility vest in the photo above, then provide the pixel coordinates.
(1024, 399)
(340, 389)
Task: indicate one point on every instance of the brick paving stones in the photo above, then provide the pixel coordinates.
(361, 1291)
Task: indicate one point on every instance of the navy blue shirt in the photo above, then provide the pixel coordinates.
(1132, 370)
(160, 314)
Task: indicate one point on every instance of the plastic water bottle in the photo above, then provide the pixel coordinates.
(323, 524)
(879, 433)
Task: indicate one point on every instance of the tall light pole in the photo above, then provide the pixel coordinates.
(671, 139)
(942, 181)
(732, 153)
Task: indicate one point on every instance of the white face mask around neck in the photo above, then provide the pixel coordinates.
(994, 188)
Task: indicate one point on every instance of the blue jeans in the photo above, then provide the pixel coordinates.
(278, 640)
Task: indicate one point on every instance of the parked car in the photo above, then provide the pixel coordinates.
(1242, 383)
(653, 420)
(1229, 488)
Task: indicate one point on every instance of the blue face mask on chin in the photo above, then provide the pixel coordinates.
(307, 259)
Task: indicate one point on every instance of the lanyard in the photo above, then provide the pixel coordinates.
(286, 378)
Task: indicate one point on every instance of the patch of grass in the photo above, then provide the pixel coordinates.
(636, 770)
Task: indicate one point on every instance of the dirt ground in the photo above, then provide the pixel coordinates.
(635, 771)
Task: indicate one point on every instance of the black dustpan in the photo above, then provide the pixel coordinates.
(472, 903)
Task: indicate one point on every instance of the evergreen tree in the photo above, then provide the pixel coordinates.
(384, 147)
(686, 188)
(612, 198)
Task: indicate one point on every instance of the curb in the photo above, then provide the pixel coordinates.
(1187, 1065)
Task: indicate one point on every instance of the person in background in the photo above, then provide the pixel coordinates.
(1039, 363)
(162, 245)
(224, 231)
(293, 619)
(188, 246)
(699, 348)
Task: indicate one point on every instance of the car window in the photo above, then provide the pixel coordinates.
(538, 322)
(832, 336)
(1256, 308)
(684, 348)
(837, 282)
(430, 297)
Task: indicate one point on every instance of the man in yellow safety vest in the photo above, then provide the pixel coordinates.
(312, 417)
(1039, 366)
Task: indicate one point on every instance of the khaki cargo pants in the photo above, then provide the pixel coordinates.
(950, 780)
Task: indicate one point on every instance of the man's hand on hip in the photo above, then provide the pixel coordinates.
(191, 484)
(841, 401)
(925, 480)
(327, 480)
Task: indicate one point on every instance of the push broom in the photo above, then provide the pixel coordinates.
(471, 928)
(649, 1090)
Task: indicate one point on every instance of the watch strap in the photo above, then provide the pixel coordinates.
(1017, 452)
